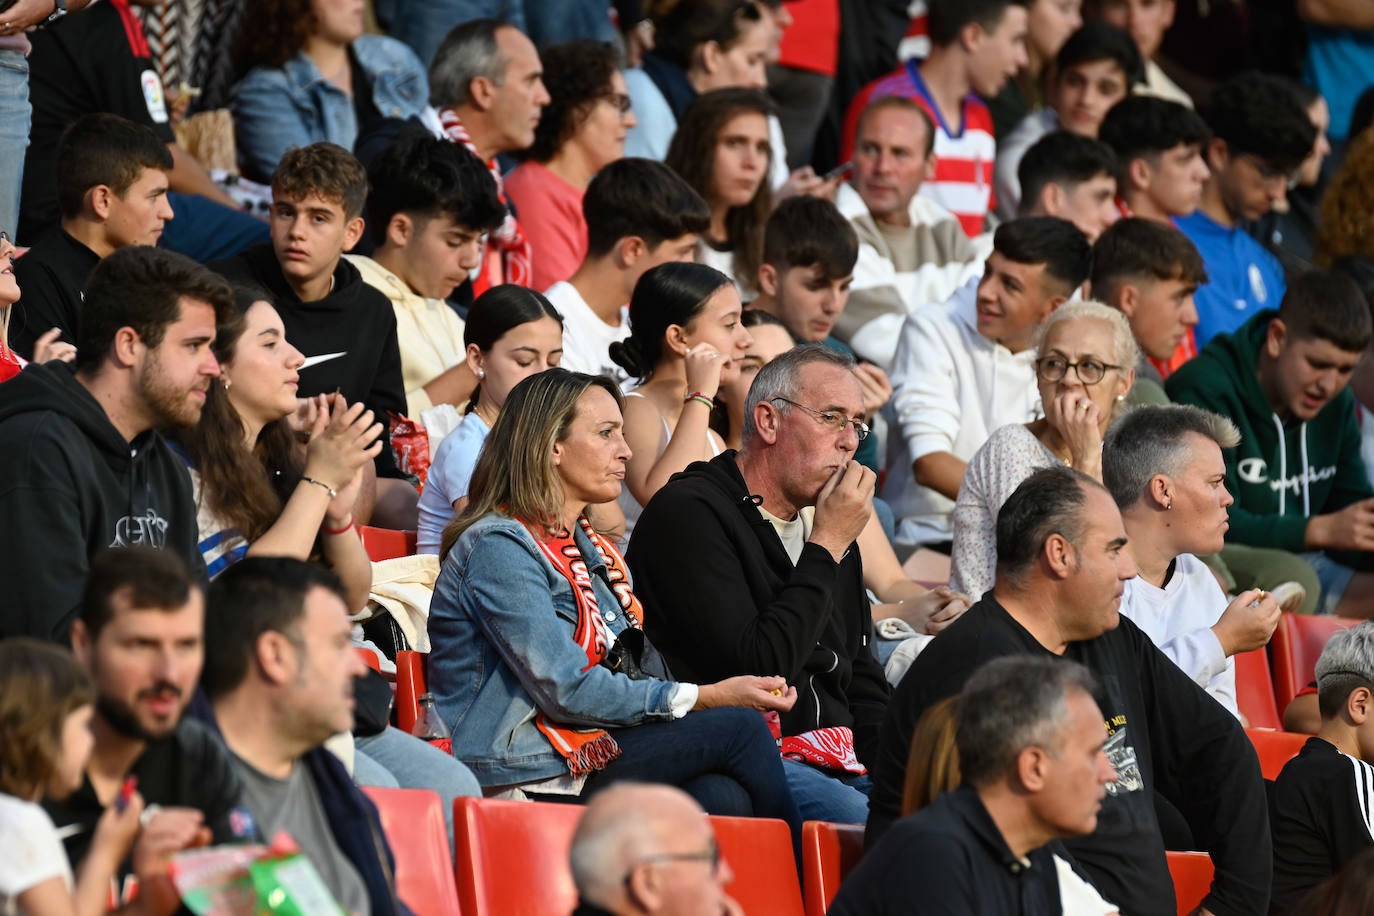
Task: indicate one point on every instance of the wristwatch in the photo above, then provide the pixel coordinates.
(59, 9)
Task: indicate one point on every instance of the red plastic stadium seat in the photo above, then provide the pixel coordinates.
(829, 851)
(1275, 748)
(1192, 874)
(759, 850)
(386, 543)
(410, 684)
(1255, 689)
(1294, 650)
(414, 825)
(369, 658)
(512, 856)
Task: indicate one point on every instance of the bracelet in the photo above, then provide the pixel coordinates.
(320, 483)
(702, 397)
(344, 530)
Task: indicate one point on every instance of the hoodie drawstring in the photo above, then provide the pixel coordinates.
(1283, 468)
(1283, 463)
(1306, 477)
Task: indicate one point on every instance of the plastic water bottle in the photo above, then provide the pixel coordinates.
(430, 726)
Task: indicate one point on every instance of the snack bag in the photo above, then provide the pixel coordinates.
(410, 443)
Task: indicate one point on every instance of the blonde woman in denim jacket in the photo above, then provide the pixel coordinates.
(532, 602)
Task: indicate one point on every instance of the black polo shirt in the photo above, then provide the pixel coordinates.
(949, 859)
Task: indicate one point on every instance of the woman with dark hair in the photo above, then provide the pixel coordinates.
(685, 340)
(581, 131)
(256, 490)
(310, 74)
(722, 150)
(511, 333)
(538, 660)
(699, 46)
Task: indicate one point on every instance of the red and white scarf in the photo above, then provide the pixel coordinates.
(587, 749)
(506, 255)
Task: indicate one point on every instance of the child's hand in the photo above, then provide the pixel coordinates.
(116, 830)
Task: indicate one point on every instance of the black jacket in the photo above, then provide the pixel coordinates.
(722, 598)
(351, 332)
(949, 859)
(1165, 735)
(52, 279)
(71, 485)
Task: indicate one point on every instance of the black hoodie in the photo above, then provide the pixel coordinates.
(351, 333)
(71, 485)
(722, 598)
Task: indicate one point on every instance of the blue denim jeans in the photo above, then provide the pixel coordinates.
(822, 796)
(417, 764)
(553, 22)
(423, 24)
(208, 231)
(15, 119)
(724, 758)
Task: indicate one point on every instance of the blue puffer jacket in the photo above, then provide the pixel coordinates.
(278, 108)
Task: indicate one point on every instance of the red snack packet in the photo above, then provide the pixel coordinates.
(410, 444)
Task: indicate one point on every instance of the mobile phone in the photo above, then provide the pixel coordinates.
(844, 168)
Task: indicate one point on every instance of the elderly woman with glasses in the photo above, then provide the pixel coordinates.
(1085, 365)
(581, 131)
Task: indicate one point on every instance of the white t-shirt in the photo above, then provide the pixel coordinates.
(586, 338)
(30, 852)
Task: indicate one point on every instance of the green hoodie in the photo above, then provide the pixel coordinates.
(1283, 472)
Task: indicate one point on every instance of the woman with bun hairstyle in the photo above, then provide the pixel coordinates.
(511, 333)
(685, 340)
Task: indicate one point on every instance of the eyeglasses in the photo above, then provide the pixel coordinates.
(620, 100)
(709, 855)
(1054, 368)
(832, 421)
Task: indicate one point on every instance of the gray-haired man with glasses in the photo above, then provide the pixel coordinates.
(749, 563)
(648, 849)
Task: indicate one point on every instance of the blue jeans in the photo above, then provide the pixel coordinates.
(207, 231)
(15, 118)
(423, 24)
(417, 764)
(724, 758)
(1334, 577)
(553, 22)
(822, 796)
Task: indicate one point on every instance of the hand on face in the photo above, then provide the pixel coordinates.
(843, 507)
(704, 365)
(877, 390)
(1078, 420)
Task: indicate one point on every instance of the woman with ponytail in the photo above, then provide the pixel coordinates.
(685, 340)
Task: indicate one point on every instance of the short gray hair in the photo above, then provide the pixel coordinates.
(1126, 351)
(1347, 662)
(467, 52)
(1010, 704)
(1152, 440)
(781, 378)
(616, 828)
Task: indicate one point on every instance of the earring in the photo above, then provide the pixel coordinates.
(1121, 397)
(481, 373)
(1168, 505)
(227, 383)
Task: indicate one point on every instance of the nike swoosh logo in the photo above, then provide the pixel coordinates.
(322, 358)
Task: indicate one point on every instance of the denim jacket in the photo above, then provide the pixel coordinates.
(277, 108)
(502, 649)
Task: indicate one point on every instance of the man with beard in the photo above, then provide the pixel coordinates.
(82, 466)
(140, 635)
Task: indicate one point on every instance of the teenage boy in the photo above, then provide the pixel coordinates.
(965, 367)
(1150, 272)
(1147, 21)
(1072, 177)
(345, 328)
(639, 214)
(809, 251)
(1320, 809)
(429, 204)
(1092, 72)
(112, 192)
(82, 464)
(911, 250)
(975, 47)
(1297, 476)
(1158, 146)
(1260, 136)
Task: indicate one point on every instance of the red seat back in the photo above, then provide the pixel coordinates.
(369, 658)
(759, 850)
(1255, 689)
(512, 856)
(1275, 748)
(414, 825)
(386, 543)
(829, 851)
(410, 685)
(1192, 874)
(1296, 645)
